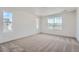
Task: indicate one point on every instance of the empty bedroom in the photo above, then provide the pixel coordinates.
(39, 29)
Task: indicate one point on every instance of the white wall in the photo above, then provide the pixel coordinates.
(77, 25)
(24, 24)
(69, 25)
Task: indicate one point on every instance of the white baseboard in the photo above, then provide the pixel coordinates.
(2, 40)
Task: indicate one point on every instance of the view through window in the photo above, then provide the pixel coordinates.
(7, 21)
(55, 22)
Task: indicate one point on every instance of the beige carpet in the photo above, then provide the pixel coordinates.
(41, 43)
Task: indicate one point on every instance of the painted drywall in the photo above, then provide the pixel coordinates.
(69, 24)
(77, 25)
(24, 24)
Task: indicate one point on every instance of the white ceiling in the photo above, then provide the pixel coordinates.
(44, 11)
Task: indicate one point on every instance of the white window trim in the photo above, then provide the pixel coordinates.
(53, 28)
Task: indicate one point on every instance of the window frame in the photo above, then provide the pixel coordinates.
(7, 21)
(52, 27)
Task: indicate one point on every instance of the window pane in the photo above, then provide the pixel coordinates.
(7, 21)
(55, 22)
(50, 22)
(7, 16)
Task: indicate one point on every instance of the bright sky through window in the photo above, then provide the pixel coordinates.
(7, 21)
(7, 15)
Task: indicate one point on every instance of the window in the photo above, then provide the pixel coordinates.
(7, 21)
(55, 22)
